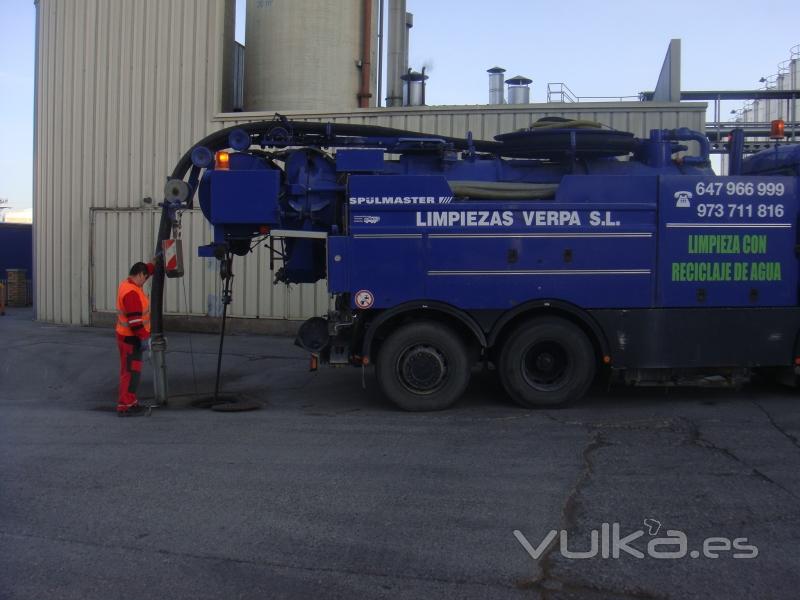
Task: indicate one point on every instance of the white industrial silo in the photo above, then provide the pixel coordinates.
(768, 108)
(309, 55)
(746, 113)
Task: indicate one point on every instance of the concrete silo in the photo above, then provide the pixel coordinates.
(310, 55)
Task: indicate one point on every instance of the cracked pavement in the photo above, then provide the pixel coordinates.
(328, 492)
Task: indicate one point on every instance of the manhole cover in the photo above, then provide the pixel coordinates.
(240, 406)
(226, 403)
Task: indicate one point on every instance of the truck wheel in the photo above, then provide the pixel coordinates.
(423, 366)
(547, 362)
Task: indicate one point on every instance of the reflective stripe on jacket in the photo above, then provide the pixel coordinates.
(129, 322)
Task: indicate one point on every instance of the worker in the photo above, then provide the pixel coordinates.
(133, 336)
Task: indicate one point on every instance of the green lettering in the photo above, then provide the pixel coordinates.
(765, 271)
(755, 244)
(676, 272)
(740, 271)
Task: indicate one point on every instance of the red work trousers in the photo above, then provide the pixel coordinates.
(130, 370)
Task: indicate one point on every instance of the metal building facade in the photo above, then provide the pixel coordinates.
(124, 88)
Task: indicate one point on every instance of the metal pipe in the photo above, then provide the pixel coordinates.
(394, 66)
(414, 88)
(366, 52)
(424, 77)
(735, 151)
(496, 95)
(408, 23)
(686, 134)
(378, 99)
(158, 341)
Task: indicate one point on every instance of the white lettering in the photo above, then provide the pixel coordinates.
(675, 539)
(466, 218)
(392, 200)
(618, 543)
(537, 552)
(591, 552)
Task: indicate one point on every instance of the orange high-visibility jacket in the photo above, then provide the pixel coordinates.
(132, 323)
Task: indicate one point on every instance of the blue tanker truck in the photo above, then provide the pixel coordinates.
(553, 253)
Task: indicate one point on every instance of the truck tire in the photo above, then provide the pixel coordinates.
(423, 366)
(547, 362)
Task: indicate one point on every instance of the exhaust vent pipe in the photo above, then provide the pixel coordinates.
(519, 91)
(496, 91)
(414, 88)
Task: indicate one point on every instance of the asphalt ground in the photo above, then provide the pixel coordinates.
(330, 492)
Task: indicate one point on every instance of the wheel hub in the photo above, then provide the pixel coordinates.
(545, 365)
(422, 369)
(545, 362)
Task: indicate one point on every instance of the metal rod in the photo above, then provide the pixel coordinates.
(158, 346)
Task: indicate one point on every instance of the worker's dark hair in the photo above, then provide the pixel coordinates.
(139, 268)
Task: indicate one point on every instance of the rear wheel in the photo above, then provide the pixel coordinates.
(547, 362)
(423, 366)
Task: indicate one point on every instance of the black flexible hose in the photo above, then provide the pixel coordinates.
(225, 301)
(219, 139)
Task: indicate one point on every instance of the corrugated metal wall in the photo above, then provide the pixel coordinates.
(124, 88)
(122, 237)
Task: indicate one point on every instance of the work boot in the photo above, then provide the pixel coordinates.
(136, 410)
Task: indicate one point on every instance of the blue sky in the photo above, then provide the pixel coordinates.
(612, 48)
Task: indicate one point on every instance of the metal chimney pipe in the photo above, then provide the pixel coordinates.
(396, 52)
(381, 38)
(409, 23)
(414, 88)
(518, 90)
(496, 95)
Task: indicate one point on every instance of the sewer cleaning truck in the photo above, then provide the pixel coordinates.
(553, 253)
